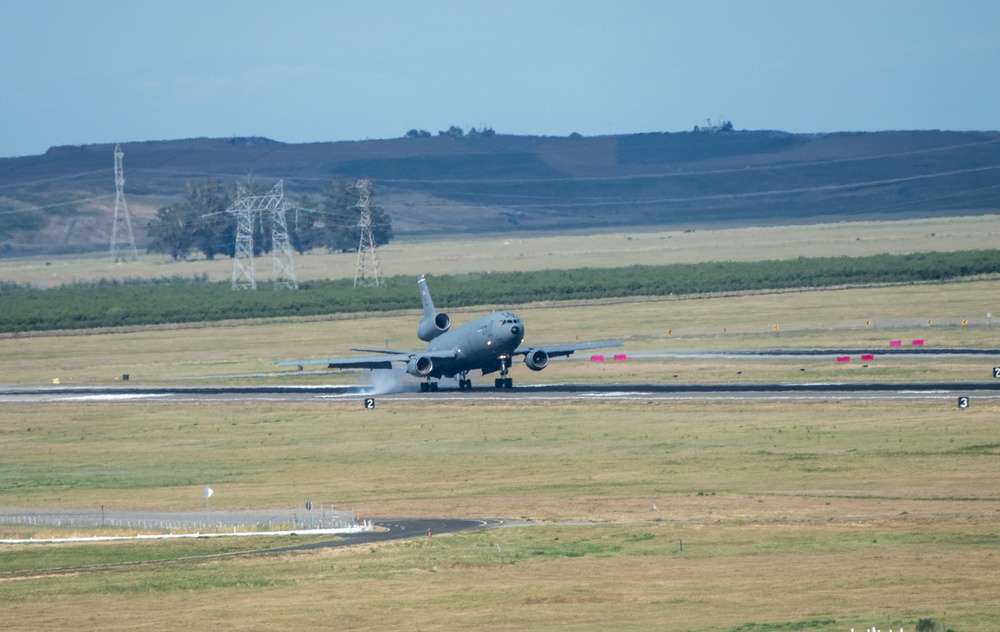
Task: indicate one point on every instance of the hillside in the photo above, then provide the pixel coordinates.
(63, 200)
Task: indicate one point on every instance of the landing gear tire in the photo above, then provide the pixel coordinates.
(428, 386)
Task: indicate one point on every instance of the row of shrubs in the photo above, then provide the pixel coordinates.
(181, 300)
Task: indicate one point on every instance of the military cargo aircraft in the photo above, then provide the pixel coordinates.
(488, 344)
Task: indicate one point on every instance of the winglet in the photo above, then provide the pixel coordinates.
(425, 298)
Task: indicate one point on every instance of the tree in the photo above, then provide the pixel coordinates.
(215, 231)
(335, 225)
(454, 131)
(170, 232)
(197, 223)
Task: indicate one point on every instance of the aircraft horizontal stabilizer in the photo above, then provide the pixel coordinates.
(360, 362)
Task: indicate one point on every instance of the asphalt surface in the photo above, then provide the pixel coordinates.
(395, 529)
(546, 392)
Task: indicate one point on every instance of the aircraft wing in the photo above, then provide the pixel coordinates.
(383, 361)
(555, 351)
(388, 351)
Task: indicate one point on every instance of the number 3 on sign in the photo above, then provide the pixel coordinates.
(370, 403)
(963, 402)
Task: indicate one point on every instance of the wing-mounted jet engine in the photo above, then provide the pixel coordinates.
(420, 366)
(536, 359)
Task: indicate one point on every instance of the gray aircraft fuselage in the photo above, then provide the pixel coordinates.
(479, 344)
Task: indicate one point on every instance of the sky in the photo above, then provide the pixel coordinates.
(102, 71)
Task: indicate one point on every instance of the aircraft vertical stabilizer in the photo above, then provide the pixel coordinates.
(425, 298)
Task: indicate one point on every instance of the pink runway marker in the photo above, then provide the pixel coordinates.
(918, 342)
(895, 343)
(843, 358)
(868, 357)
(597, 358)
(621, 356)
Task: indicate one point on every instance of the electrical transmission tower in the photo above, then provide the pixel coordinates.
(369, 271)
(247, 207)
(281, 249)
(122, 239)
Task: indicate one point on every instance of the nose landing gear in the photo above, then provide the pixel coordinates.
(503, 381)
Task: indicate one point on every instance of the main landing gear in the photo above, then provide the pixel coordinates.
(428, 386)
(464, 383)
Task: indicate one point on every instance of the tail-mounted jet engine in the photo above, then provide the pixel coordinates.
(421, 366)
(536, 359)
(432, 327)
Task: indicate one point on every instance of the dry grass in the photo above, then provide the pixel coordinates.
(644, 246)
(538, 461)
(823, 515)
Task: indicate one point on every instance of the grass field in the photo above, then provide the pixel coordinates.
(823, 515)
(643, 246)
(819, 515)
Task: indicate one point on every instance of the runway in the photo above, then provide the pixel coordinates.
(196, 390)
(544, 392)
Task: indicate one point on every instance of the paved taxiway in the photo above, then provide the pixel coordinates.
(397, 529)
